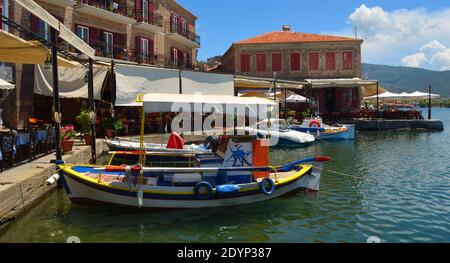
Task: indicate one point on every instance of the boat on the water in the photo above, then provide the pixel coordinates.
(316, 127)
(238, 173)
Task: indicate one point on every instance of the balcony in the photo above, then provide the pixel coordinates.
(60, 3)
(107, 9)
(110, 51)
(180, 64)
(184, 36)
(154, 23)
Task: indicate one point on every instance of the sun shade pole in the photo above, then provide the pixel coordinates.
(56, 102)
(92, 109)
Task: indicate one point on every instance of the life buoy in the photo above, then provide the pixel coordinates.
(317, 124)
(271, 186)
(201, 194)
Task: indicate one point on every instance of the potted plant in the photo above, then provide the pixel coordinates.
(84, 122)
(111, 125)
(67, 135)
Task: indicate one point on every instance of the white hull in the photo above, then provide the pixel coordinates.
(128, 145)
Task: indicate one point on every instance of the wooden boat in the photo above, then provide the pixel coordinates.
(316, 127)
(118, 144)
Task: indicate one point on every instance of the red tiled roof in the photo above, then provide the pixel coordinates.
(289, 37)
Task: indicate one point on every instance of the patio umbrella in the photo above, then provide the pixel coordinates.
(296, 98)
(423, 95)
(385, 95)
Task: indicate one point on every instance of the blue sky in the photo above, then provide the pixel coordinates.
(400, 32)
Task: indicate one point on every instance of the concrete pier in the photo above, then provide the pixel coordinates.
(382, 124)
(24, 186)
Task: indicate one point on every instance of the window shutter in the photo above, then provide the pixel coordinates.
(313, 61)
(261, 63)
(188, 58)
(138, 10)
(92, 36)
(180, 24)
(245, 62)
(347, 60)
(1, 13)
(295, 61)
(180, 57)
(330, 59)
(276, 62)
(137, 48)
(34, 24)
(172, 50)
(172, 21)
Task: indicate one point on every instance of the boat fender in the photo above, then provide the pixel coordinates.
(311, 124)
(52, 179)
(140, 196)
(200, 193)
(264, 188)
(227, 189)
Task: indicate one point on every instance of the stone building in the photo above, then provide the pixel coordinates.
(301, 56)
(153, 32)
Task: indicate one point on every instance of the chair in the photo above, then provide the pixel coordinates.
(7, 150)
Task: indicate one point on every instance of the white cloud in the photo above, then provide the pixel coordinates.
(412, 37)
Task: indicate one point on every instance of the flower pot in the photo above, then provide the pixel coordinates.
(88, 139)
(67, 145)
(109, 133)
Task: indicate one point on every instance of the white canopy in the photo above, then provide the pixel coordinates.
(132, 80)
(386, 95)
(424, 95)
(6, 85)
(72, 82)
(163, 102)
(403, 95)
(296, 98)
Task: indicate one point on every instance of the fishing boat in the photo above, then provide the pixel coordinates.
(238, 171)
(239, 175)
(283, 135)
(316, 127)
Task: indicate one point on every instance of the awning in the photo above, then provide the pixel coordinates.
(424, 95)
(132, 80)
(404, 95)
(17, 50)
(331, 83)
(245, 82)
(6, 85)
(296, 98)
(64, 32)
(163, 102)
(72, 83)
(386, 95)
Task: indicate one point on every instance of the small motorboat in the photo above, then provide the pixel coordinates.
(238, 173)
(282, 135)
(118, 144)
(316, 127)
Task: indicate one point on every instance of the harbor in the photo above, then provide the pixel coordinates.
(114, 128)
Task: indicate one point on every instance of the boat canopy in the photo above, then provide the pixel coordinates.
(6, 85)
(164, 102)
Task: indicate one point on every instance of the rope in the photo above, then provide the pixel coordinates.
(335, 172)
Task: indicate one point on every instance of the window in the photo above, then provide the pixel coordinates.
(175, 57)
(83, 33)
(108, 45)
(183, 26)
(144, 10)
(347, 60)
(245, 62)
(295, 61)
(44, 30)
(277, 61)
(330, 60)
(174, 24)
(144, 48)
(313, 59)
(261, 63)
(348, 97)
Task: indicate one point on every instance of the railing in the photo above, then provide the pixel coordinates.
(120, 8)
(108, 50)
(154, 19)
(185, 32)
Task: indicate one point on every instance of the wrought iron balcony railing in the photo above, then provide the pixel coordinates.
(185, 32)
(153, 19)
(116, 7)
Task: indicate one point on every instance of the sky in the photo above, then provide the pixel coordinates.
(395, 32)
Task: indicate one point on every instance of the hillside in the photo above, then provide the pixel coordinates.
(398, 79)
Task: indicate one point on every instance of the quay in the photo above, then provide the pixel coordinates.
(383, 124)
(24, 186)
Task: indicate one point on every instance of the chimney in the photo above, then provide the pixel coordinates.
(286, 28)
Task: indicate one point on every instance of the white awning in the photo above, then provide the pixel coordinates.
(404, 95)
(6, 85)
(330, 83)
(386, 95)
(132, 80)
(424, 95)
(64, 32)
(163, 102)
(72, 82)
(296, 98)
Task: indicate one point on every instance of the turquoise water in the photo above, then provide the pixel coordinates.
(395, 185)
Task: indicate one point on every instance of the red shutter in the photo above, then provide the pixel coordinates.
(180, 25)
(151, 10)
(347, 60)
(276, 62)
(188, 58)
(314, 61)
(261, 64)
(172, 19)
(34, 24)
(138, 10)
(93, 36)
(330, 60)
(180, 57)
(245, 62)
(295, 61)
(137, 48)
(1, 13)
(172, 50)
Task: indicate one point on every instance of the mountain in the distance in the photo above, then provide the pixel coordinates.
(399, 79)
